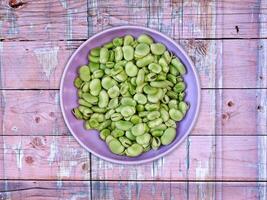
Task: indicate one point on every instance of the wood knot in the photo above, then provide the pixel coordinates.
(237, 29)
(16, 4)
(230, 103)
(226, 116)
(37, 119)
(37, 142)
(259, 107)
(52, 114)
(29, 160)
(85, 167)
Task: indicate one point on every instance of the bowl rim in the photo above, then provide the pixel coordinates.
(147, 159)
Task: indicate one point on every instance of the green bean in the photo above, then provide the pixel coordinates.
(175, 114)
(155, 144)
(109, 138)
(134, 150)
(157, 48)
(109, 113)
(114, 92)
(77, 113)
(167, 56)
(104, 125)
(151, 77)
(78, 82)
(129, 135)
(128, 101)
(98, 73)
(117, 133)
(135, 119)
(115, 146)
(84, 73)
(95, 51)
(98, 110)
(173, 70)
(170, 123)
(131, 69)
(93, 123)
(156, 68)
(123, 125)
(163, 63)
(128, 52)
(118, 54)
(157, 133)
(179, 87)
(140, 108)
(152, 107)
(113, 103)
(108, 45)
(183, 107)
(93, 66)
(111, 59)
(140, 98)
(82, 102)
(168, 136)
(140, 77)
(116, 117)
(138, 129)
(85, 87)
(128, 39)
(143, 62)
(104, 55)
(164, 114)
(90, 98)
(104, 134)
(141, 50)
(178, 65)
(153, 115)
(127, 111)
(117, 41)
(121, 77)
(108, 82)
(103, 99)
(161, 84)
(95, 87)
(154, 123)
(145, 39)
(125, 141)
(143, 139)
(93, 59)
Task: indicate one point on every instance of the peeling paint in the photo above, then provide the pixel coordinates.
(63, 3)
(19, 153)
(14, 129)
(202, 170)
(78, 196)
(48, 59)
(53, 151)
(158, 165)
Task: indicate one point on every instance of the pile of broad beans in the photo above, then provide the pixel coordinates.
(132, 92)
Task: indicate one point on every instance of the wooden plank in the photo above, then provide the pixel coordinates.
(43, 20)
(50, 190)
(197, 19)
(44, 157)
(62, 158)
(45, 190)
(262, 101)
(236, 116)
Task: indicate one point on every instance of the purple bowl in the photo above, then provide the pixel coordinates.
(89, 139)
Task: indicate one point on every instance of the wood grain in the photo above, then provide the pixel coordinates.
(38, 113)
(45, 20)
(45, 190)
(44, 157)
(62, 158)
(52, 190)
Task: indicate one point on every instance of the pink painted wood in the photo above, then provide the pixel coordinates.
(224, 158)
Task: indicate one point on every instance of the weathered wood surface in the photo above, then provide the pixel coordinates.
(62, 158)
(83, 190)
(67, 20)
(227, 41)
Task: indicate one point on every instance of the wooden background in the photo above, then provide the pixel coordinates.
(225, 156)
